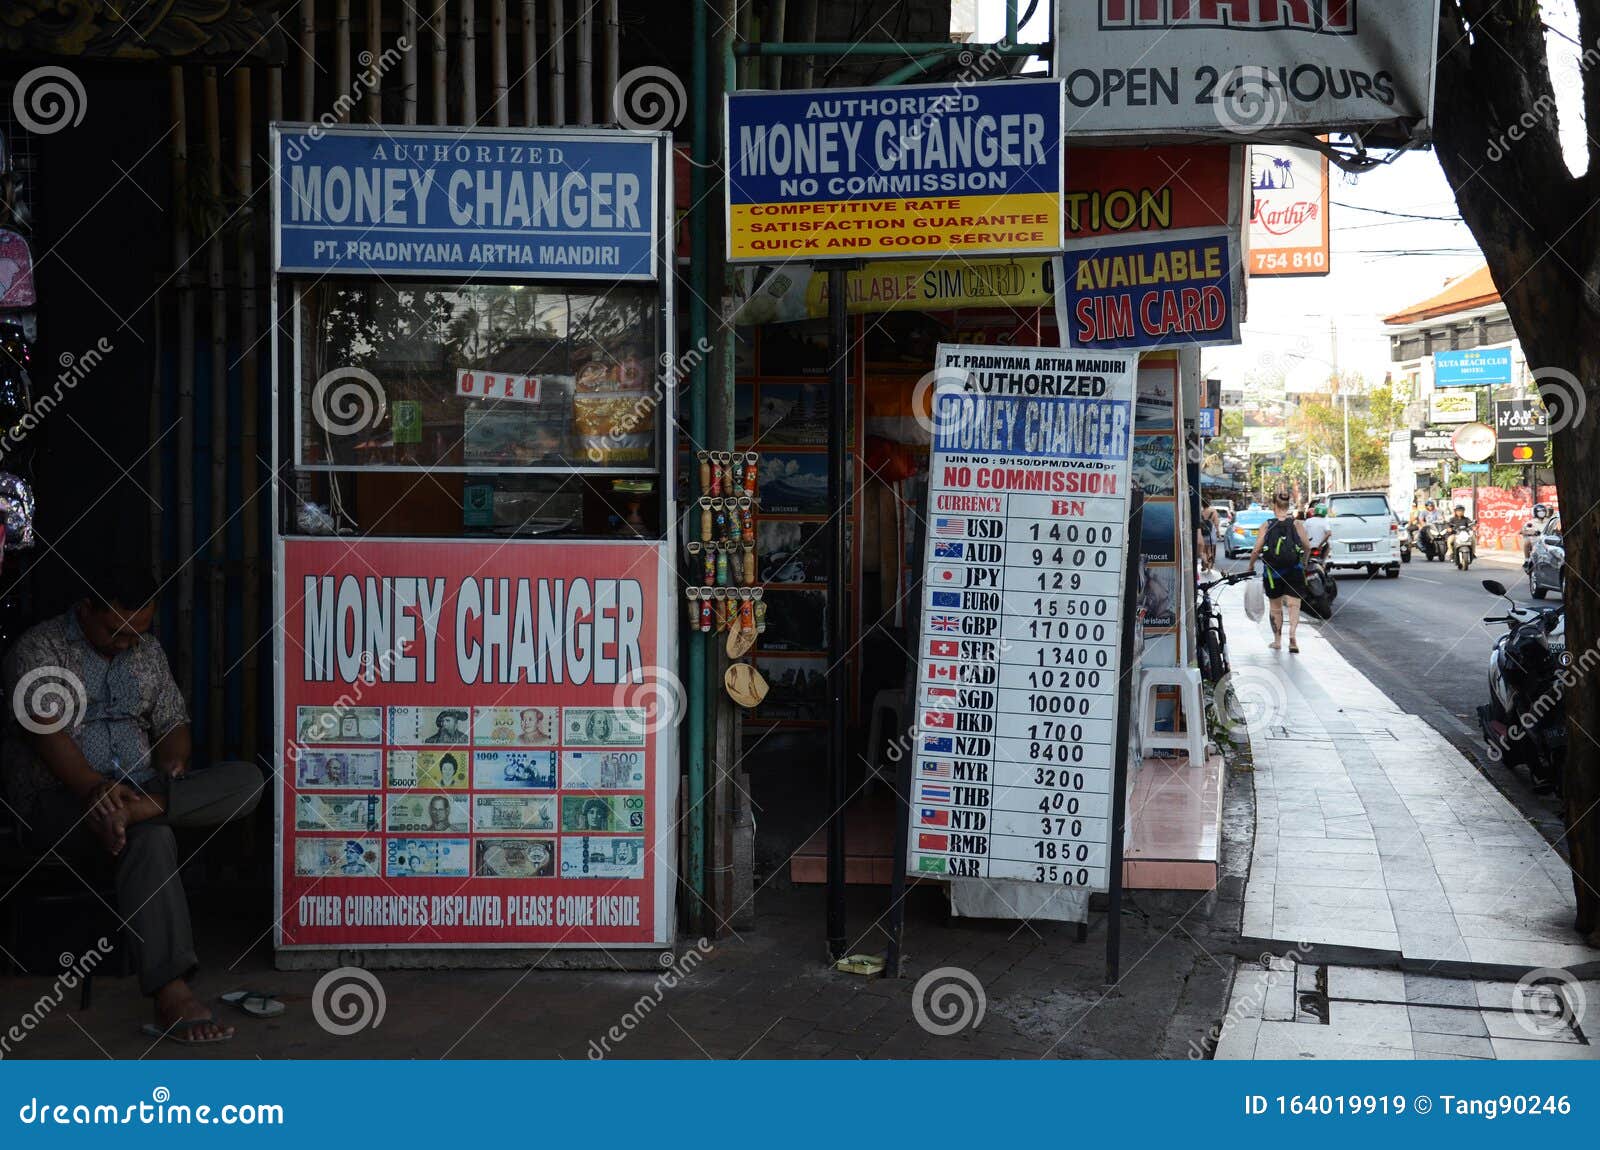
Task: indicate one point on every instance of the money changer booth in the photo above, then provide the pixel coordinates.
(471, 561)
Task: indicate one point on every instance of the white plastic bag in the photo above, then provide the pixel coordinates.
(1255, 600)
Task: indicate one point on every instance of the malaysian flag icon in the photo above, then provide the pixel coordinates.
(949, 526)
(947, 550)
(937, 769)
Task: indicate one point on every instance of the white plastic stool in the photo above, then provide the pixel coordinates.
(1192, 739)
(889, 702)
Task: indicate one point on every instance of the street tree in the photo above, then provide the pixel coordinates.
(1498, 140)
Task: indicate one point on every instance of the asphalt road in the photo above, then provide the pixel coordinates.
(1421, 639)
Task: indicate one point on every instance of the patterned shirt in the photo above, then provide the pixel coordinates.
(115, 708)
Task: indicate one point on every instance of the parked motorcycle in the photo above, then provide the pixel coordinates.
(1321, 587)
(1431, 541)
(1525, 719)
(1465, 544)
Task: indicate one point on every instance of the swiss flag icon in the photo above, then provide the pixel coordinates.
(947, 648)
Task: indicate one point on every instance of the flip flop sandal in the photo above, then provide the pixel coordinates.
(255, 1003)
(177, 1032)
(1294, 648)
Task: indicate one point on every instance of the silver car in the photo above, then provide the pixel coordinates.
(1544, 563)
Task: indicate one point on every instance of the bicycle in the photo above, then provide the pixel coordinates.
(1211, 641)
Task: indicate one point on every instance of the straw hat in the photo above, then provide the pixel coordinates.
(745, 685)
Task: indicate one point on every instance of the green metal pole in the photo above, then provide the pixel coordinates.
(699, 231)
(1011, 21)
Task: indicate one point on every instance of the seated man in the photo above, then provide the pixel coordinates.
(96, 759)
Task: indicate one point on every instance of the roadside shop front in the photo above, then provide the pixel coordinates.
(473, 559)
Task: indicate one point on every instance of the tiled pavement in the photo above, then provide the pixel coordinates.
(1376, 840)
(1293, 1010)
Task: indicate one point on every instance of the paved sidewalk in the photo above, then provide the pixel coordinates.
(1377, 837)
(1289, 1009)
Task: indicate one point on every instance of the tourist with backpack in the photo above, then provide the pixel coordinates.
(1282, 547)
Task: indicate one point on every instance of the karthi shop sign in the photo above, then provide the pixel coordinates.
(474, 746)
(508, 204)
(1178, 290)
(910, 171)
(1143, 67)
(1289, 234)
(1019, 668)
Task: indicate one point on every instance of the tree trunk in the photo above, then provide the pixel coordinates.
(1497, 140)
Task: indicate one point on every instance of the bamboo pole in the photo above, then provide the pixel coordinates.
(217, 545)
(808, 35)
(308, 59)
(184, 466)
(469, 63)
(372, 98)
(530, 64)
(157, 367)
(554, 33)
(408, 63)
(248, 467)
(584, 54)
(497, 62)
(613, 65)
(441, 64)
(776, 15)
(341, 59)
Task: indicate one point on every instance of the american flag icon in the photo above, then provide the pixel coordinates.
(949, 526)
(944, 623)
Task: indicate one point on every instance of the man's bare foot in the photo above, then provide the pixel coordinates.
(178, 1009)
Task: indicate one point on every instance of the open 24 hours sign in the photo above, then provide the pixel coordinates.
(928, 169)
(1177, 290)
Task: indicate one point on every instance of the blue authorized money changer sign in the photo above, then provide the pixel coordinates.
(503, 204)
(1019, 668)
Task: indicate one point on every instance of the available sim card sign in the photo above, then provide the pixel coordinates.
(1020, 700)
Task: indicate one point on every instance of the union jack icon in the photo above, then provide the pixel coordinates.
(945, 623)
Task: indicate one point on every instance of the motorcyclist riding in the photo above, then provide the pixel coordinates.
(1457, 521)
(1534, 527)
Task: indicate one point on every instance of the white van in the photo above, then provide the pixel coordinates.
(1362, 532)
